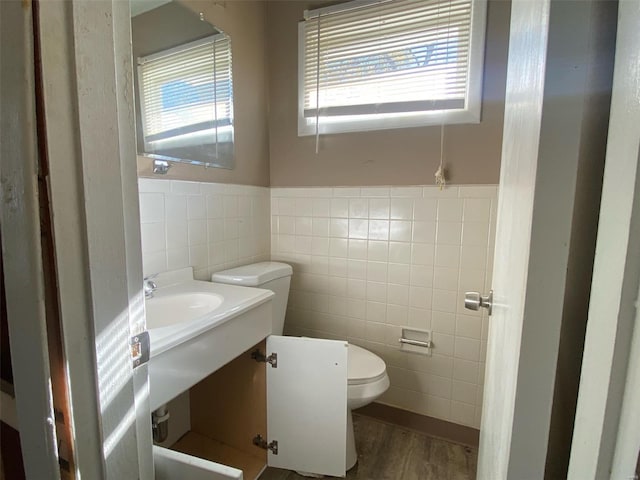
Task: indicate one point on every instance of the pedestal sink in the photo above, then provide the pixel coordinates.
(197, 327)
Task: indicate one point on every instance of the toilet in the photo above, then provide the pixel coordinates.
(366, 372)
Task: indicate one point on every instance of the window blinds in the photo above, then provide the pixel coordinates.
(393, 56)
(186, 90)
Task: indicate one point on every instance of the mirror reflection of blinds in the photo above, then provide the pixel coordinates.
(393, 56)
(187, 89)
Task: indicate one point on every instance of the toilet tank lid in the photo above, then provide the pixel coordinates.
(254, 274)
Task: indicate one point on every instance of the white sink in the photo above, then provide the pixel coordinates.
(197, 327)
(174, 308)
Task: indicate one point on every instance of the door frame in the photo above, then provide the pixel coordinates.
(88, 108)
(554, 132)
(87, 98)
(21, 248)
(606, 438)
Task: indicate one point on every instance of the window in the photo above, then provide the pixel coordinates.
(186, 99)
(377, 64)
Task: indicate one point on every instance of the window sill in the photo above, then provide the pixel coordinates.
(350, 124)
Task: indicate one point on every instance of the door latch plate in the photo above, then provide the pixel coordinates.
(140, 348)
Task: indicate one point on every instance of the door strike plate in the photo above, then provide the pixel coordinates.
(272, 359)
(140, 348)
(259, 441)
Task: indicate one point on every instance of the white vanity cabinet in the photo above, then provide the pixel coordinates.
(282, 403)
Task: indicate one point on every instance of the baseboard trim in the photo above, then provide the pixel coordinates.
(423, 424)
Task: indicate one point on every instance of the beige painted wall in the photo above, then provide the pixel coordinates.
(407, 156)
(244, 21)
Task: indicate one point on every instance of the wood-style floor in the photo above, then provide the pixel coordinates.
(390, 452)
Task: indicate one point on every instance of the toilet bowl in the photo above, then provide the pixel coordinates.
(367, 377)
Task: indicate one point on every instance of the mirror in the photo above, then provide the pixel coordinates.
(183, 84)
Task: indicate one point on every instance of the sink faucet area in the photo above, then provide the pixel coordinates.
(196, 327)
(149, 286)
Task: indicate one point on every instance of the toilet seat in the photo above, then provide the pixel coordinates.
(364, 366)
(367, 377)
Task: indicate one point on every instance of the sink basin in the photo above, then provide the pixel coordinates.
(169, 309)
(196, 327)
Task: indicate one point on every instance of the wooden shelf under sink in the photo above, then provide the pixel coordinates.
(227, 409)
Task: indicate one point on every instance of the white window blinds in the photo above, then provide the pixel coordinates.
(187, 92)
(393, 57)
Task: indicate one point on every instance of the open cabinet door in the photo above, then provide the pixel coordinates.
(307, 404)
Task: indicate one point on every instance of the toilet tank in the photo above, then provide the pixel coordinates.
(274, 276)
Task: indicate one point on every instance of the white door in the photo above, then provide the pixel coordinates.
(546, 125)
(307, 404)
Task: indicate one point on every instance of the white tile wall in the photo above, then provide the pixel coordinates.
(207, 226)
(368, 261)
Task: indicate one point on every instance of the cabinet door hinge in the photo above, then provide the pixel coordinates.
(272, 359)
(259, 441)
(140, 348)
